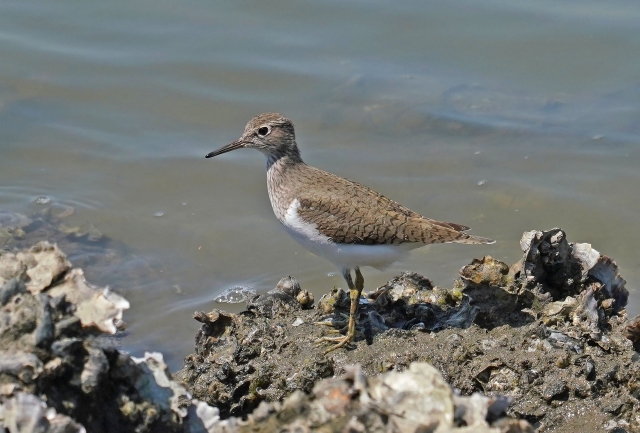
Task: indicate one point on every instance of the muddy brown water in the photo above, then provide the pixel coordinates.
(500, 116)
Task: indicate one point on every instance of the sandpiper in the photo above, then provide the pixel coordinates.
(338, 219)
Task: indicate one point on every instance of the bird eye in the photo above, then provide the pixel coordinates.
(263, 131)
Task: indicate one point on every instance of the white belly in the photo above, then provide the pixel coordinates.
(344, 256)
(349, 256)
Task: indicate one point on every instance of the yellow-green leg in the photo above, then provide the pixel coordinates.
(355, 290)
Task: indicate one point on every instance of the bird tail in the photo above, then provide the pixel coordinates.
(469, 239)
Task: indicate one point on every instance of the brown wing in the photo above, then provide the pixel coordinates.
(348, 212)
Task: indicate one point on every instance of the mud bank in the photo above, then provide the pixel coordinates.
(60, 371)
(549, 333)
(542, 344)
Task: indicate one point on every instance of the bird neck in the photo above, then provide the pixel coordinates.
(281, 169)
(283, 156)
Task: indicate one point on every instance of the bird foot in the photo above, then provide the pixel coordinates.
(341, 342)
(355, 292)
(336, 330)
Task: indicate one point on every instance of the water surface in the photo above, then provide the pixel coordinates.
(505, 116)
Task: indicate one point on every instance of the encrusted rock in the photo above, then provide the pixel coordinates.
(555, 350)
(43, 264)
(415, 400)
(417, 397)
(336, 299)
(606, 272)
(486, 271)
(559, 311)
(305, 298)
(288, 285)
(100, 308)
(58, 375)
(409, 287)
(279, 300)
(26, 413)
(552, 264)
(632, 331)
(548, 263)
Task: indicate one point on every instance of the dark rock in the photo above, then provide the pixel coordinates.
(45, 330)
(548, 263)
(555, 390)
(273, 302)
(289, 286)
(11, 288)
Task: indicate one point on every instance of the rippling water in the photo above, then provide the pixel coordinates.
(506, 116)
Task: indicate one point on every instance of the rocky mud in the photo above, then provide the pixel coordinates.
(543, 344)
(549, 334)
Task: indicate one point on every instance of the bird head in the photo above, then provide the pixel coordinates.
(270, 133)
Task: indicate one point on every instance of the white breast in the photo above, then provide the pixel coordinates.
(297, 225)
